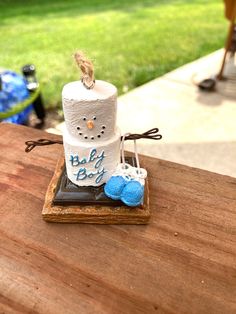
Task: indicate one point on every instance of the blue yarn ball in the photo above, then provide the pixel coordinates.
(132, 194)
(114, 186)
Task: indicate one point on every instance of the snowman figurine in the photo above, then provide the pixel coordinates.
(91, 138)
(94, 148)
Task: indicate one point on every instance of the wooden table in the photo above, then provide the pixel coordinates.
(184, 261)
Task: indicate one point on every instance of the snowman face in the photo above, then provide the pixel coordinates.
(90, 129)
(90, 122)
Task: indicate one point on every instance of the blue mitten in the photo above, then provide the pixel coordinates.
(132, 194)
(127, 183)
(114, 186)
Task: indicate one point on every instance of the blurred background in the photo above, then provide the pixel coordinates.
(130, 42)
(152, 51)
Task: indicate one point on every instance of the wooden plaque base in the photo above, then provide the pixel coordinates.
(94, 214)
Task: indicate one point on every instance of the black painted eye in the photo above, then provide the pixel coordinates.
(103, 127)
(86, 137)
(84, 118)
(99, 135)
(78, 128)
(94, 118)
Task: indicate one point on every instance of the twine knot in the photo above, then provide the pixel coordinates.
(87, 69)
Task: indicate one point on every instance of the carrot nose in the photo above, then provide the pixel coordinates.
(90, 124)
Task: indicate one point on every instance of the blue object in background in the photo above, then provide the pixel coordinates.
(14, 90)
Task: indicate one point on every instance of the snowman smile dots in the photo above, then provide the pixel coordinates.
(90, 125)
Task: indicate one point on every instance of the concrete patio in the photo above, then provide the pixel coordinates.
(198, 128)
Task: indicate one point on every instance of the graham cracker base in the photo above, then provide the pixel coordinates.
(92, 214)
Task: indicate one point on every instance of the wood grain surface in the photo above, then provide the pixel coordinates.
(184, 261)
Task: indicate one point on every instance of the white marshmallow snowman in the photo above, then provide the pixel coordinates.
(91, 138)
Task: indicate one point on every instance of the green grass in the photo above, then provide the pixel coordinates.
(130, 42)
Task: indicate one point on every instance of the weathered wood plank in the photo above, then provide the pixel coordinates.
(184, 261)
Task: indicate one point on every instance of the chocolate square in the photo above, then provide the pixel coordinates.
(67, 193)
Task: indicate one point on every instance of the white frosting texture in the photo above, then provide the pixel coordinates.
(91, 164)
(91, 138)
(77, 91)
(81, 105)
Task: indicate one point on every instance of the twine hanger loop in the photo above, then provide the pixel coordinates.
(87, 69)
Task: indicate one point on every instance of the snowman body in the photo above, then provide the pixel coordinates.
(91, 138)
